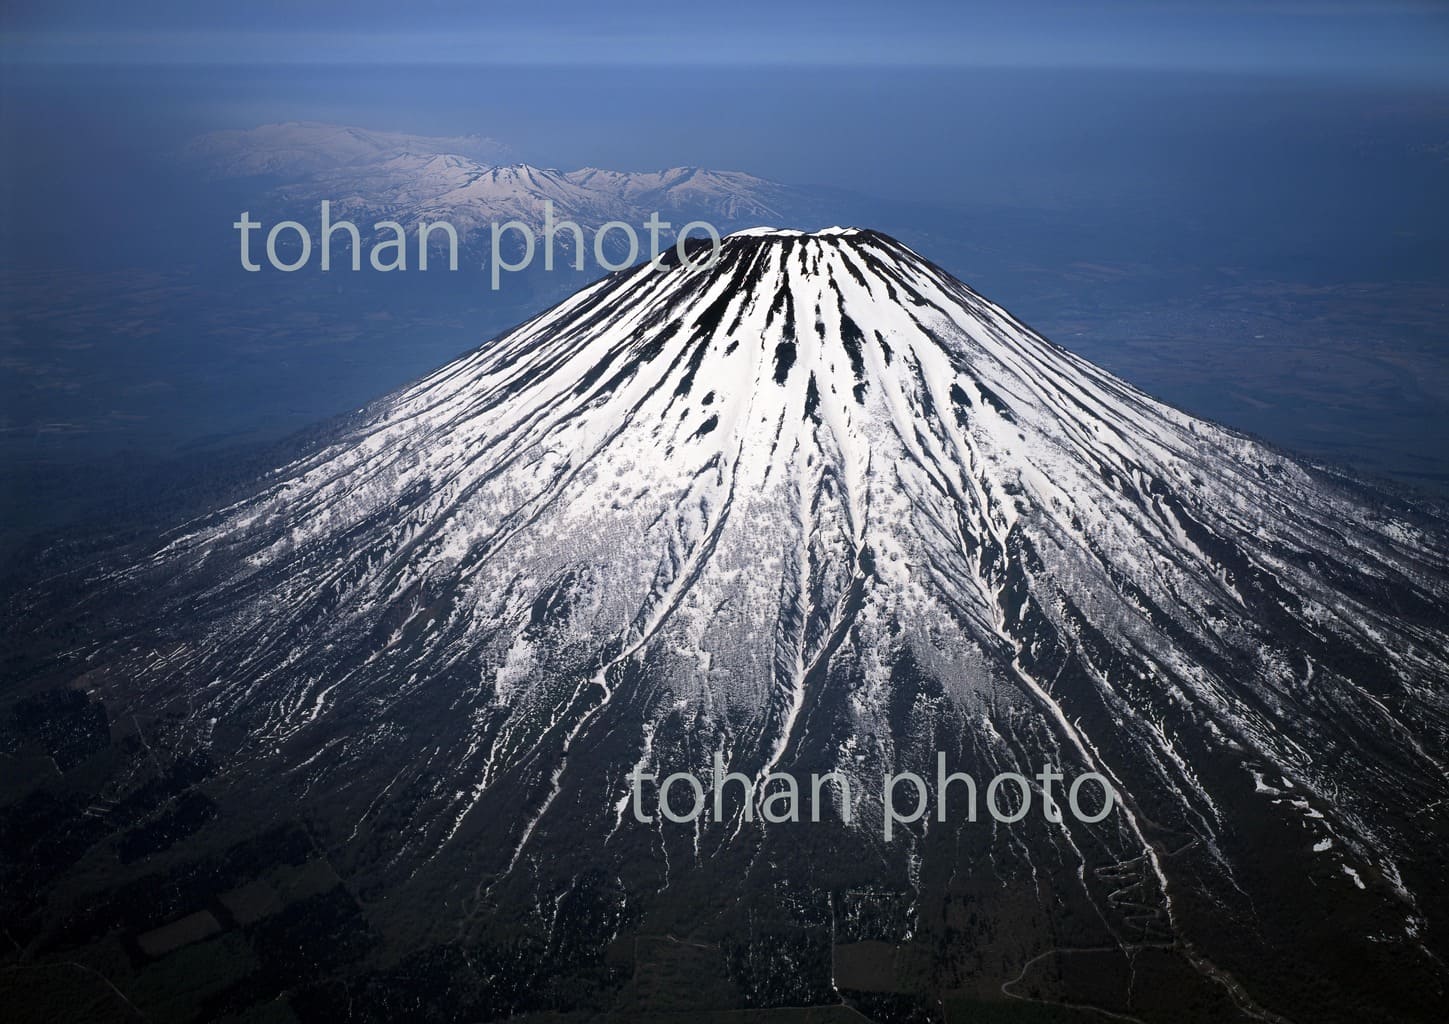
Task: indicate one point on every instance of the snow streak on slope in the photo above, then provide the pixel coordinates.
(817, 505)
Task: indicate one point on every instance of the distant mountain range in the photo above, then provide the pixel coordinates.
(296, 149)
(361, 738)
(409, 178)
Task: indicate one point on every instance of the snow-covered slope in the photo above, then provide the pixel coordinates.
(822, 507)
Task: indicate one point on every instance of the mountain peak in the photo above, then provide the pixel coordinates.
(816, 506)
(830, 232)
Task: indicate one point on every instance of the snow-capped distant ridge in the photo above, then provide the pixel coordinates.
(474, 182)
(297, 149)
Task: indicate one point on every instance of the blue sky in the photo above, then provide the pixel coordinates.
(1404, 39)
(1182, 144)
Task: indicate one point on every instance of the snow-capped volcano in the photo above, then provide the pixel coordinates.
(820, 506)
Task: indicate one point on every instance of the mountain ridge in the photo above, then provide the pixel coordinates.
(472, 181)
